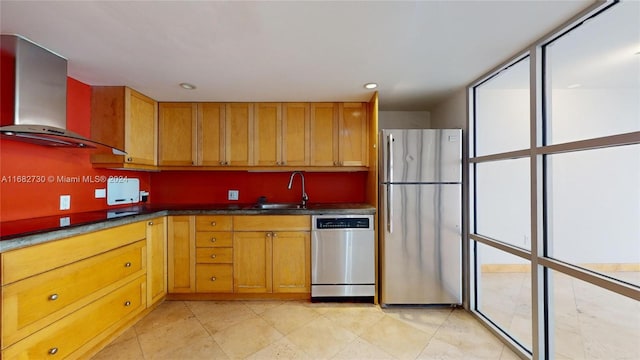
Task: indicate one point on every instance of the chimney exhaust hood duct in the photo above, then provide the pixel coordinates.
(34, 92)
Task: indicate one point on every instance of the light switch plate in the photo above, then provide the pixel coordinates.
(65, 202)
(234, 195)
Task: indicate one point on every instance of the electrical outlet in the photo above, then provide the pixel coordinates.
(101, 193)
(234, 194)
(65, 202)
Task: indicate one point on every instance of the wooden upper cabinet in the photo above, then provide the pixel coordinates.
(295, 134)
(239, 134)
(281, 134)
(125, 119)
(267, 143)
(211, 134)
(177, 134)
(263, 134)
(353, 134)
(324, 134)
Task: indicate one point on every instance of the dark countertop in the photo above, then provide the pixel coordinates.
(22, 233)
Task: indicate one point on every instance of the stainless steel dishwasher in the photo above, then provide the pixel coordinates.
(342, 256)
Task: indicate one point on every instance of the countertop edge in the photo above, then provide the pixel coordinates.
(43, 237)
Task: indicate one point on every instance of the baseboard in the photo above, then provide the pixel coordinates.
(234, 296)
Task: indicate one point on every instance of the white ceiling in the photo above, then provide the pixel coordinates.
(418, 51)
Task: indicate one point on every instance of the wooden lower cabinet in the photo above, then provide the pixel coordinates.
(252, 262)
(214, 254)
(156, 260)
(291, 267)
(67, 337)
(274, 260)
(181, 252)
(214, 278)
(67, 298)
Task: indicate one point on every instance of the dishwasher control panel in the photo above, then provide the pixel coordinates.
(343, 222)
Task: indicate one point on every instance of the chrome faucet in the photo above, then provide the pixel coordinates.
(305, 197)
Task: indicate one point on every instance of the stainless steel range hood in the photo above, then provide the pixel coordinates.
(34, 104)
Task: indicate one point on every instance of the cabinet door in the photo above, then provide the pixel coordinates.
(291, 262)
(156, 260)
(239, 134)
(324, 134)
(211, 134)
(140, 128)
(353, 134)
(295, 134)
(181, 255)
(177, 134)
(267, 144)
(252, 262)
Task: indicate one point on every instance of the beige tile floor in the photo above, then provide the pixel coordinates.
(304, 330)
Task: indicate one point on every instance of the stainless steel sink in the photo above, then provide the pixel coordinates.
(278, 206)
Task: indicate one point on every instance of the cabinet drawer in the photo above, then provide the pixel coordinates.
(214, 239)
(68, 334)
(213, 223)
(272, 223)
(22, 263)
(214, 255)
(214, 278)
(30, 304)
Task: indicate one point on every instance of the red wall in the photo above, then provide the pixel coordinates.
(20, 200)
(193, 187)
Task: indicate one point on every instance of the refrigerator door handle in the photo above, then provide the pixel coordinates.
(389, 207)
(389, 158)
(389, 179)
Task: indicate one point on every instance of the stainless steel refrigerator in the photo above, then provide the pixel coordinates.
(420, 217)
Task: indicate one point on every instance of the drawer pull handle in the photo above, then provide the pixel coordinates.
(127, 303)
(213, 278)
(127, 264)
(213, 223)
(53, 351)
(53, 297)
(213, 239)
(213, 256)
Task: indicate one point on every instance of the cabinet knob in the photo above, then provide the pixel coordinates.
(53, 297)
(150, 222)
(127, 303)
(127, 264)
(268, 234)
(213, 278)
(213, 223)
(213, 240)
(274, 234)
(335, 163)
(129, 159)
(226, 163)
(53, 351)
(213, 256)
(221, 162)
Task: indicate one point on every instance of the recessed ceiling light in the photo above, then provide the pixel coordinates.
(573, 86)
(370, 86)
(187, 86)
